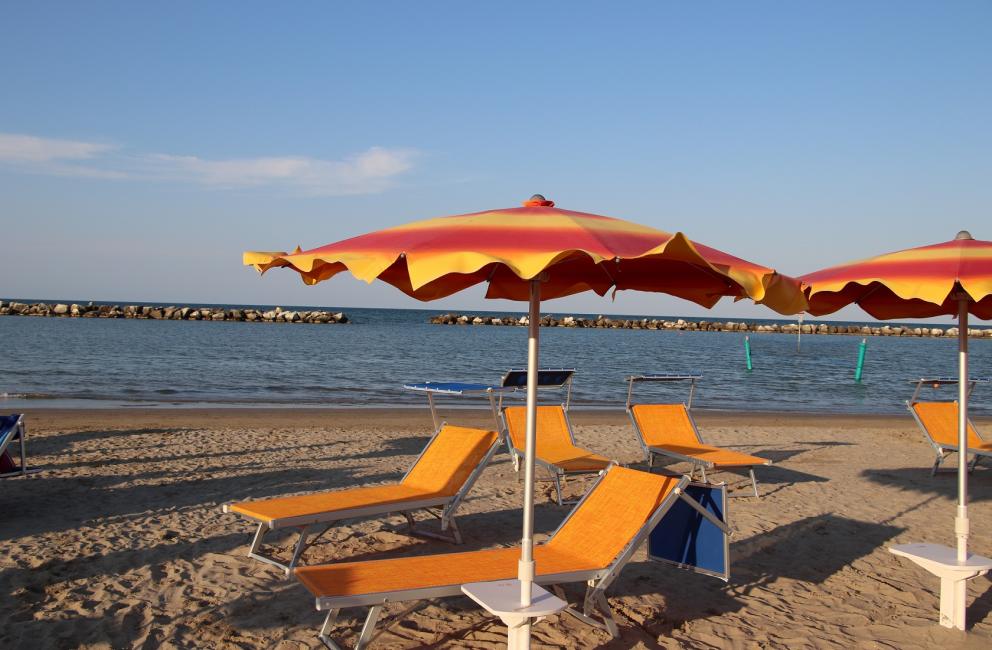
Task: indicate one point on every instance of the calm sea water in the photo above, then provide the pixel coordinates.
(97, 362)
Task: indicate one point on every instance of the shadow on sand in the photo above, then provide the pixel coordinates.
(944, 484)
(49, 503)
(756, 562)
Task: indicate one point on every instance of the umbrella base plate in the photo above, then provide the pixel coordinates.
(502, 598)
(942, 561)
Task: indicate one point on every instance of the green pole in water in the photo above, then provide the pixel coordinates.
(747, 352)
(861, 360)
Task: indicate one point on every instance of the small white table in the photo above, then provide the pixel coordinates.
(502, 598)
(942, 561)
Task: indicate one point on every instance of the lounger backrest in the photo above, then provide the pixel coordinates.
(611, 515)
(449, 459)
(665, 424)
(552, 429)
(940, 419)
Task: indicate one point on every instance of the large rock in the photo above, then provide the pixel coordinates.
(60, 309)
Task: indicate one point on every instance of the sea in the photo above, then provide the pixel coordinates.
(101, 363)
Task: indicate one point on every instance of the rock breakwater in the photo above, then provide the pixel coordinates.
(604, 322)
(172, 312)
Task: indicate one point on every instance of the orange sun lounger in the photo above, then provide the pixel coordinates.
(592, 545)
(669, 430)
(438, 481)
(556, 450)
(939, 423)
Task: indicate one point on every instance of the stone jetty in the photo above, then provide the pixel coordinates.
(89, 310)
(604, 322)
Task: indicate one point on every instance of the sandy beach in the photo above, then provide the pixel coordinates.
(121, 541)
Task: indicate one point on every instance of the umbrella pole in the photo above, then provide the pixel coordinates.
(961, 522)
(525, 569)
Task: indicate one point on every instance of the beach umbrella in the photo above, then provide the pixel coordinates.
(532, 253)
(951, 278)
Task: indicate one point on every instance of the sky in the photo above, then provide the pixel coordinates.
(144, 146)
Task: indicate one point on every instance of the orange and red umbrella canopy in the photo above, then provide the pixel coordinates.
(570, 251)
(914, 283)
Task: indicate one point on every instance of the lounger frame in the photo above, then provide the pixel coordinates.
(697, 463)
(312, 526)
(510, 383)
(941, 450)
(594, 603)
(18, 433)
(556, 474)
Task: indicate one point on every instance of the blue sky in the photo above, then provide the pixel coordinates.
(144, 147)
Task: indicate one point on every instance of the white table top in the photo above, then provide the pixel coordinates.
(502, 597)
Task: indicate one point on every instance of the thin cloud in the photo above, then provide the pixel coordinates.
(371, 171)
(15, 147)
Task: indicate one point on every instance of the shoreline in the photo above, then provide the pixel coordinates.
(406, 415)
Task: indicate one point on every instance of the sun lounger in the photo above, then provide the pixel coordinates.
(438, 482)
(13, 434)
(555, 449)
(939, 423)
(592, 545)
(669, 430)
(938, 420)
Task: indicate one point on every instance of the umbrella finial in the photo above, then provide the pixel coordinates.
(538, 200)
(963, 234)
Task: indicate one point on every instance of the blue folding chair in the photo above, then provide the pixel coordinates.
(13, 432)
(694, 533)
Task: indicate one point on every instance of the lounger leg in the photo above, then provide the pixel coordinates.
(595, 601)
(301, 546)
(454, 535)
(369, 627)
(554, 477)
(936, 464)
(256, 542)
(754, 481)
(325, 630)
(607, 614)
(363, 639)
(24, 453)
(650, 460)
(513, 454)
(255, 550)
(702, 468)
